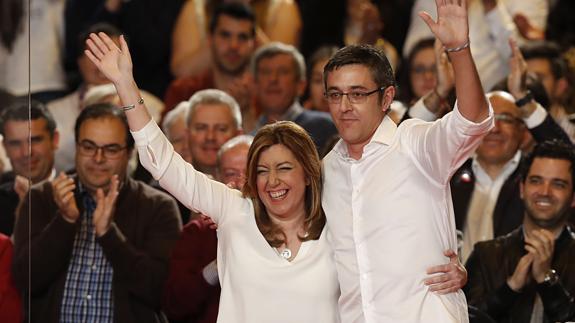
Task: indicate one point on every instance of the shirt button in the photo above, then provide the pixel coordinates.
(364, 276)
(88, 297)
(94, 267)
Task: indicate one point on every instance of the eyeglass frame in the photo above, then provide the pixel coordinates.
(105, 149)
(362, 95)
(507, 118)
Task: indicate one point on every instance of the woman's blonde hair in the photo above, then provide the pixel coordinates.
(296, 139)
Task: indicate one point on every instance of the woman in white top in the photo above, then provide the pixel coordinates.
(274, 261)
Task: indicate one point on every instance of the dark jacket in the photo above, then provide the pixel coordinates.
(508, 211)
(493, 261)
(8, 202)
(146, 225)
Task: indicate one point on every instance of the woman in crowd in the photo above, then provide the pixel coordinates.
(316, 99)
(274, 260)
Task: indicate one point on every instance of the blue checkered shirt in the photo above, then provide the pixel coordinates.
(88, 289)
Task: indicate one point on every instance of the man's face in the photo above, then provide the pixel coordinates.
(36, 161)
(90, 73)
(548, 192)
(232, 167)
(356, 122)
(277, 83)
(503, 141)
(96, 166)
(232, 44)
(542, 68)
(211, 125)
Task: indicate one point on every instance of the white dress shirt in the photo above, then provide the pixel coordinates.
(390, 217)
(258, 285)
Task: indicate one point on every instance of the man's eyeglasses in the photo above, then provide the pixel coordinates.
(90, 149)
(507, 118)
(355, 96)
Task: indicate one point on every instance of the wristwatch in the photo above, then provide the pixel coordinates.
(551, 278)
(524, 100)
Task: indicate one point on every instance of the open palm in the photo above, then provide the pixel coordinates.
(451, 27)
(115, 63)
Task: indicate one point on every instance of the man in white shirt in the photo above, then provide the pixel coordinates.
(386, 192)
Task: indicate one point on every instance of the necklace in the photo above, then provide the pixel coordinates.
(285, 254)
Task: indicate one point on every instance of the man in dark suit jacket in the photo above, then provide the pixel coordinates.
(485, 190)
(279, 74)
(33, 163)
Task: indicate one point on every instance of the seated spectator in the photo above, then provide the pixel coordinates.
(316, 97)
(98, 246)
(529, 274)
(10, 302)
(231, 43)
(279, 74)
(20, 125)
(277, 20)
(192, 291)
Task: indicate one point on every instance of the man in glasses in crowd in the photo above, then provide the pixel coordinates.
(98, 245)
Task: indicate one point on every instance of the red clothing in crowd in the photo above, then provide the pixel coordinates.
(187, 295)
(10, 303)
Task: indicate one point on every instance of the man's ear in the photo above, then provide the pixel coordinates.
(387, 99)
(521, 186)
(561, 87)
(56, 139)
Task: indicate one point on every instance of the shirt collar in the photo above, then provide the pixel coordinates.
(508, 168)
(383, 135)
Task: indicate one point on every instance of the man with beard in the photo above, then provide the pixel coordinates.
(529, 274)
(232, 42)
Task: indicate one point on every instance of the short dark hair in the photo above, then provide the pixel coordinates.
(18, 111)
(101, 27)
(549, 51)
(101, 111)
(236, 10)
(554, 149)
(369, 56)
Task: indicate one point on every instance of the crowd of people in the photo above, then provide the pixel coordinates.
(182, 162)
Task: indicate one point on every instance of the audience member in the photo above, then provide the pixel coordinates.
(277, 20)
(31, 50)
(192, 291)
(316, 96)
(231, 44)
(98, 246)
(30, 141)
(213, 118)
(545, 60)
(490, 27)
(528, 275)
(176, 130)
(10, 301)
(279, 74)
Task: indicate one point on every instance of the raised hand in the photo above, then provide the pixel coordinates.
(521, 275)
(453, 276)
(115, 63)
(517, 77)
(21, 186)
(63, 194)
(451, 27)
(540, 243)
(103, 214)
